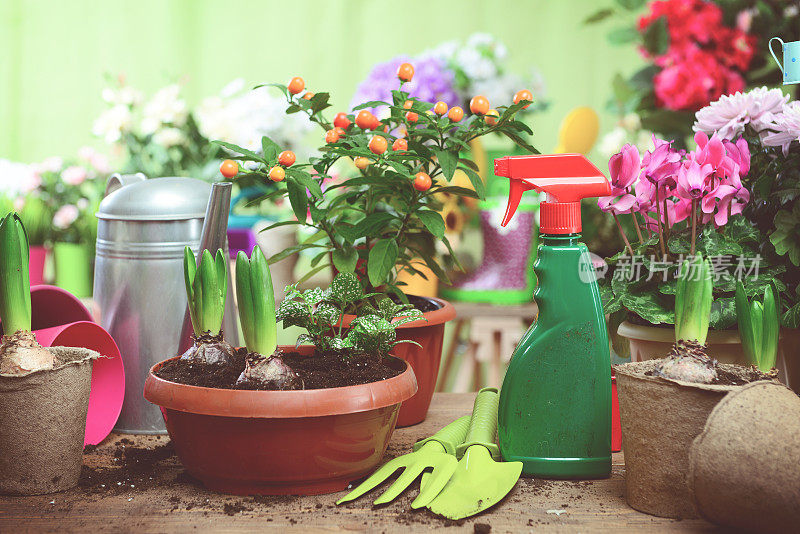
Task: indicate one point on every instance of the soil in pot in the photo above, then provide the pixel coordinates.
(328, 369)
(660, 418)
(421, 303)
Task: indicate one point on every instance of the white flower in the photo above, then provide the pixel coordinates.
(65, 216)
(74, 175)
(164, 108)
(612, 142)
(242, 117)
(785, 126)
(791, 11)
(124, 95)
(631, 122)
(18, 177)
(731, 113)
(112, 122)
(97, 160)
(168, 137)
(82, 203)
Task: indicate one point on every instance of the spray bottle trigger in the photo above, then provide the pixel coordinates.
(516, 188)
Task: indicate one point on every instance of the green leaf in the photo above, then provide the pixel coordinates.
(269, 148)
(345, 259)
(344, 288)
(371, 224)
(433, 222)
(15, 287)
(370, 104)
(312, 272)
(655, 37)
(448, 159)
(631, 5)
(382, 259)
(297, 198)
(597, 16)
(456, 190)
(622, 36)
(237, 149)
(476, 181)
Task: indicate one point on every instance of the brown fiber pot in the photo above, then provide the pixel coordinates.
(303, 442)
(660, 419)
(425, 360)
(42, 425)
(743, 470)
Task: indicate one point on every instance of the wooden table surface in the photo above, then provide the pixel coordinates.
(165, 499)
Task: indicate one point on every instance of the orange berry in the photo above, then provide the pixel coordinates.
(405, 72)
(287, 158)
(339, 131)
(378, 144)
(277, 174)
(361, 162)
(455, 114)
(491, 117)
(308, 96)
(408, 104)
(400, 145)
(479, 105)
(341, 120)
(440, 108)
(422, 181)
(365, 119)
(229, 168)
(331, 136)
(411, 116)
(296, 85)
(523, 94)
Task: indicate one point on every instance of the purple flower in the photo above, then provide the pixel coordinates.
(624, 170)
(662, 164)
(432, 82)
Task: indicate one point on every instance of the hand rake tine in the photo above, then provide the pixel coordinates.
(405, 479)
(376, 478)
(434, 483)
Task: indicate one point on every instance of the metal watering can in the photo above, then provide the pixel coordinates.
(791, 60)
(143, 228)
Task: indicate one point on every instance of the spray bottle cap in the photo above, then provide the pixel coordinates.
(565, 178)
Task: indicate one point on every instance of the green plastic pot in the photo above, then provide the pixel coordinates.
(74, 268)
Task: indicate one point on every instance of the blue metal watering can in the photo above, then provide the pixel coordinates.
(791, 60)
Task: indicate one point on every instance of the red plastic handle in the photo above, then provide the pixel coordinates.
(566, 178)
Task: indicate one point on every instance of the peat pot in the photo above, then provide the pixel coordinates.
(42, 424)
(302, 442)
(660, 419)
(425, 360)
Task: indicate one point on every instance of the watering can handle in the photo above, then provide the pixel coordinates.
(773, 53)
(118, 181)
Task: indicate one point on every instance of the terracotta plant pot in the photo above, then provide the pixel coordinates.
(743, 469)
(652, 342)
(429, 333)
(42, 423)
(281, 442)
(660, 419)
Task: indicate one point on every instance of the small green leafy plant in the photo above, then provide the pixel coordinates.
(206, 291)
(382, 219)
(20, 353)
(758, 327)
(688, 360)
(321, 314)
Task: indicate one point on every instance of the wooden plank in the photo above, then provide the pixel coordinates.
(174, 503)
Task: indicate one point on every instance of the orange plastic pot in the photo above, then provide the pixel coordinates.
(429, 333)
(304, 442)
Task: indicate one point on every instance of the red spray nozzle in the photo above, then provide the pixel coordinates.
(566, 178)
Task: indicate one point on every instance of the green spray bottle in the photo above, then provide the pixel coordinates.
(555, 404)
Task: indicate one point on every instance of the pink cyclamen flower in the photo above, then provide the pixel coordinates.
(725, 200)
(624, 169)
(693, 180)
(739, 155)
(662, 163)
(74, 175)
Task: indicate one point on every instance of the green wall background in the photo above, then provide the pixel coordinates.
(55, 54)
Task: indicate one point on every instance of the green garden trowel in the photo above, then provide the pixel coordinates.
(478, 482)
(437, 452)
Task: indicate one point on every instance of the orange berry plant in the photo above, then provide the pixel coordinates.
(381, 216)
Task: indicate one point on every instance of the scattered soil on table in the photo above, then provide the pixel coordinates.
(328, 369)
(482, 528)
(135, 468)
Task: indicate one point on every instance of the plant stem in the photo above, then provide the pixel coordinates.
(636, 225)
(660, 229)
(694, 225)
(622, 233)
(666, 222)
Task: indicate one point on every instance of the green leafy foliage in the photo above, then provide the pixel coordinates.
(758, 327)
(373, 222)
(206, 290)
(15, 285)
(256, 302)
(321, 313)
